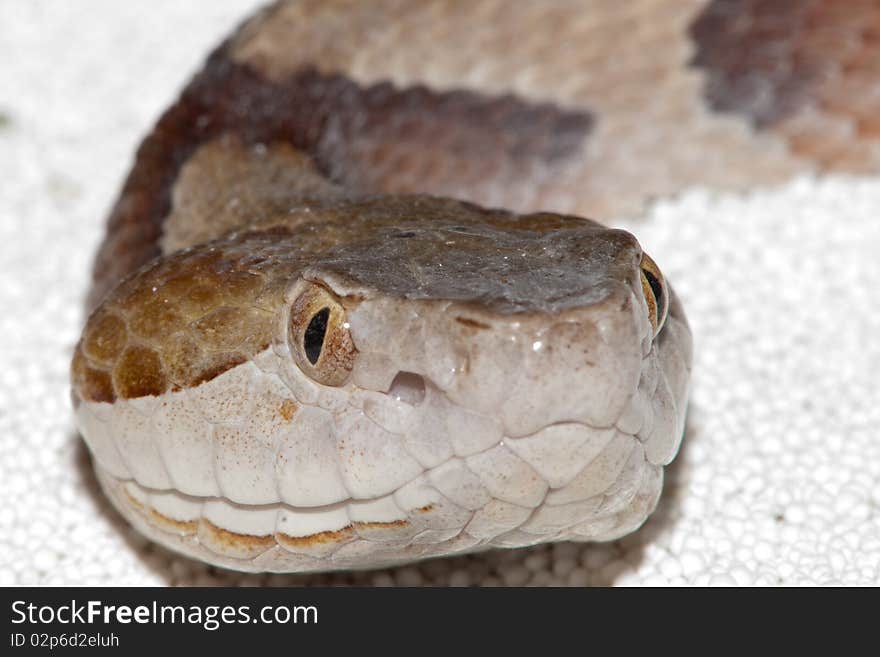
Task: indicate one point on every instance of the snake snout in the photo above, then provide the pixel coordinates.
(530, 372)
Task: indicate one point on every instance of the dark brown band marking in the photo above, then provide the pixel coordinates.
(749, 52)
(806, 70)
(357, 136)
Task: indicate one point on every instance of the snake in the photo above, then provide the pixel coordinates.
(349, 312)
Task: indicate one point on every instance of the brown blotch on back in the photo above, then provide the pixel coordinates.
(747, 49)
(805, 71)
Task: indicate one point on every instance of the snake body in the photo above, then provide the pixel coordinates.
(312, 345)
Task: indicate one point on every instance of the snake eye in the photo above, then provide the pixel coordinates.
(318, 337)
(656, 292)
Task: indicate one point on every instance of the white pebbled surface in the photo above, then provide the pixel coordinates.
(779, 477)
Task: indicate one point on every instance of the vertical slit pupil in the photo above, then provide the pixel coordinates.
(313, 340)
(656, 288)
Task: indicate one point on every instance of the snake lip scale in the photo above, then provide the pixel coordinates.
(348, 314)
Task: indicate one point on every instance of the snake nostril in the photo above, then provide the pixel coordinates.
(408, 387)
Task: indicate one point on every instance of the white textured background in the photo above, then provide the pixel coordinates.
(778, 481)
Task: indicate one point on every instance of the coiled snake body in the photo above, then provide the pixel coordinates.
(309, 348)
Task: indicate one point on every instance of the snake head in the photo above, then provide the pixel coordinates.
(383, 380)
(509, 324)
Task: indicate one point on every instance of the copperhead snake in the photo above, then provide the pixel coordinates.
(347, 313)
